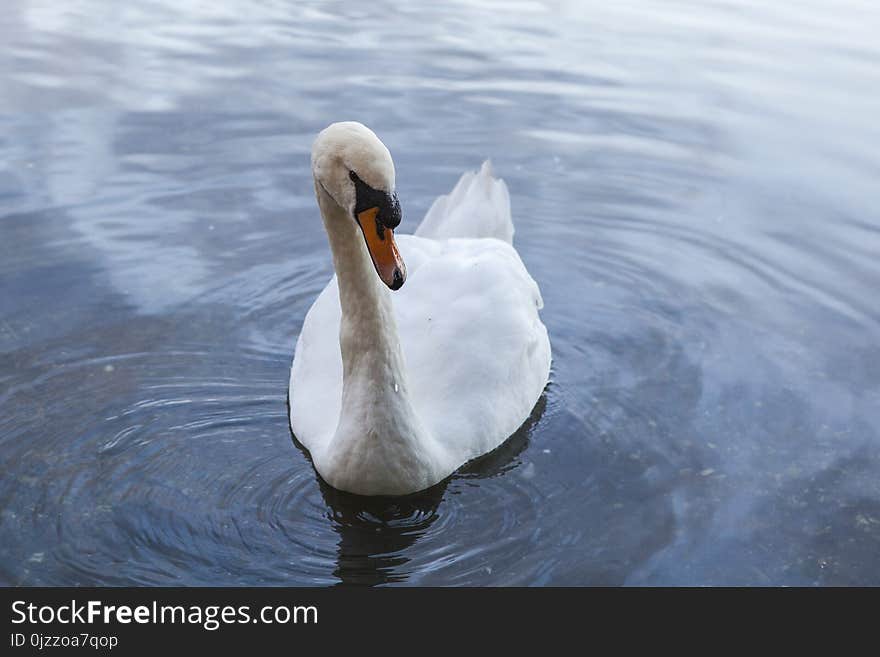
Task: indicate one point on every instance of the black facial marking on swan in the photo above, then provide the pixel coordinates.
(366, 197)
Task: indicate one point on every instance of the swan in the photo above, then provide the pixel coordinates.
(393, 387)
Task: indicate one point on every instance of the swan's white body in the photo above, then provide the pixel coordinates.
(391, 413)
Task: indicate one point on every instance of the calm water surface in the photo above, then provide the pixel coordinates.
(695, 188)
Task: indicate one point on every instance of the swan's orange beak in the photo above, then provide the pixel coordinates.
(380, 243)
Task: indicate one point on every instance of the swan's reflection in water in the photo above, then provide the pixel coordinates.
(375, 533)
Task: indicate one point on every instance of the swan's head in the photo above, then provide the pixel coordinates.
(353, 166)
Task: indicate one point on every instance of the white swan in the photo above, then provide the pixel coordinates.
(388, 413)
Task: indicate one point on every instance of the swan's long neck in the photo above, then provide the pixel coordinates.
(378, 428)
(368, 336)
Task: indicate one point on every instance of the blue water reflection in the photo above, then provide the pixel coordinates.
(694, 187)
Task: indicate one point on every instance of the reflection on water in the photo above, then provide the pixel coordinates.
(375, 534)
(694, 188)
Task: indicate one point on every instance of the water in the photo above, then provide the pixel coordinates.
(694, 187)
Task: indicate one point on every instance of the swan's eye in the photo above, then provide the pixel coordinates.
(366, 197)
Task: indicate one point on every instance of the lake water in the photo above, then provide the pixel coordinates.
(695, 189)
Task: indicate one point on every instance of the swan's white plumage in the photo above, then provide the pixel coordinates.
(478, 206)
(476, 353)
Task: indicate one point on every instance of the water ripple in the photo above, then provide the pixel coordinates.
(694, 189)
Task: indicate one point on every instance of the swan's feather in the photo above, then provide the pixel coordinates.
(478, 206)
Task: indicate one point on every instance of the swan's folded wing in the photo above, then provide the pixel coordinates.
(478, 206)
(315, 395)
(477, 353)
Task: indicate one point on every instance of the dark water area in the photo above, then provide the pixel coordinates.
(695, 189)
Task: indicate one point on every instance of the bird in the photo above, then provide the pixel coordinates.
(424, 351)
